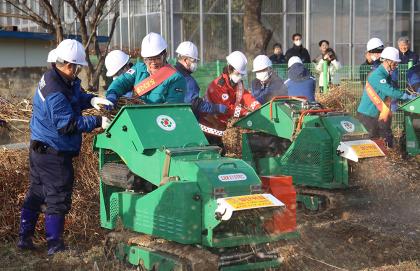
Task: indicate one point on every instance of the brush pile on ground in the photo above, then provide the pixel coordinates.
(14, 119)
(338, 98)
(82, 224)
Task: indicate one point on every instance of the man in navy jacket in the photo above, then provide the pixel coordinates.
(299, 80)
(56, 126)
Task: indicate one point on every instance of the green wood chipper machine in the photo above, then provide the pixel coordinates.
(291, 136)
(412, 126)
(174, 203)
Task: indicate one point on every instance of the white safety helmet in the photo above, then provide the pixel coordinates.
(260, 63)
(52, 56)
(391, 53)
(114, 61)
(152, 45)
(238, 61)
(294, 60)
(187, 48)
(71, 51)
(374, 43)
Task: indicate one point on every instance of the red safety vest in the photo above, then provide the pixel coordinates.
(154, 80)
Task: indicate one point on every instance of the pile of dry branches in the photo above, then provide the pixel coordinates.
(338, 98)
(82, 223)
(15, 116)
(232, 140)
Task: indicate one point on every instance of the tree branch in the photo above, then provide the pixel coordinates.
(21, 6)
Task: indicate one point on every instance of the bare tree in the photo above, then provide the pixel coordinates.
(256, 35)
(88, 14)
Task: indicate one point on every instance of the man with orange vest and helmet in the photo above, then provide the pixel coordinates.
(228, 89)
(154, 80)
(373, 110)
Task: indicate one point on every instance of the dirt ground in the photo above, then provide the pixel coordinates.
(377, 227)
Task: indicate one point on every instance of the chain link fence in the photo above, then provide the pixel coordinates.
(352, 78)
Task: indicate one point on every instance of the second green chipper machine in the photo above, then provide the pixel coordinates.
(291, 136)
(412, 126)
(177, 204)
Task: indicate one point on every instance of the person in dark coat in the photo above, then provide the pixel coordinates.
(405, 53)
(187, 64)
(298, 50)
(278, 56)
(266, 84)
(299, 81)
(56, 126)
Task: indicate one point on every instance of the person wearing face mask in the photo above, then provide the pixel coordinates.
(187, 64)
(228, 89)
(266, 84)
(298, 50)
(299, 80)
(152, 80)
(373, 110)
(116, 63)
(405, 53)
(56, 127)
(374, 48)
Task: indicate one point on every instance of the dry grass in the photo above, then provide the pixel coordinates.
(338, 98)
(82, 223)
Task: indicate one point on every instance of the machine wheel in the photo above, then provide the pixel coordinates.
(317, 201)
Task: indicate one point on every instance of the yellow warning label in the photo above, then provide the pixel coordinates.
(248, 202)
(366, 150)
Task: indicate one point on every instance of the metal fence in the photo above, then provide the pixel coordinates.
(351, 78)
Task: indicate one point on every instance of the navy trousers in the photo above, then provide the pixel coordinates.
(377, 128)
(51, 182)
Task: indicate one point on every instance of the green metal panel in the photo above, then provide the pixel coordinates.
(335, 126)
(412, 135)
(149, 259)
(412, 106)
(282, 124)
(149, 131)
(171, 212)
(253, 266)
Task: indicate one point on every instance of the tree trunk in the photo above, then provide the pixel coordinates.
(256, 35)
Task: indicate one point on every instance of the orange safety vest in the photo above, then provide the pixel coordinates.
(382, 107)
(154, 80)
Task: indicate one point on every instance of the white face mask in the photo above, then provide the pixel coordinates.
(263, 76)
(235, 77)
(298, 42)
(193, 66)
(373, 58)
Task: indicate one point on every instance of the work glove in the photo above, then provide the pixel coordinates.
(105, 123)
(221, 108)
(96, 101)
(407, 96)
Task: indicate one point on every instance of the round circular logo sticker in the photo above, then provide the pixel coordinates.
(347, 125)
(225, 96)
(411, 108)
(166, 123)
(249, 123)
